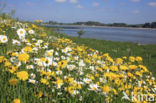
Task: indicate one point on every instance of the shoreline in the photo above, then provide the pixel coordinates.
(79, 27)
(130, 28)
(104, 27)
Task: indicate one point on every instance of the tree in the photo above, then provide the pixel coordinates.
(80, 33)
(147, 25)
(4, 14)
(2, 6)
(12, 13)
(153, 25)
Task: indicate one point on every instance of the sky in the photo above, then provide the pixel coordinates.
(68, 11)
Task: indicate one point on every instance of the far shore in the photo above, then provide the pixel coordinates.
(109, 27)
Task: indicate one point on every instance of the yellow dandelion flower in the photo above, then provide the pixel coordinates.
(28, 49)
(1, 59)
(132, 59)
(114, 68)
(130, 74)
(22, 75)
(44, 81)
(40, 94)
(13, 81)
(122, 67)
(16, 101)
(124, 57)
(62, 63)
(139, 59)
(7, 63)
(94, 56)
(119, 61)
(106, 89)
(70, 89)
(133, 67)
(24, 57)
(59, 82)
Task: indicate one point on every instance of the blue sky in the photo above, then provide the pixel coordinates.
(106, 11)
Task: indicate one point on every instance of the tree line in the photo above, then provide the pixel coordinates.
(94, 23)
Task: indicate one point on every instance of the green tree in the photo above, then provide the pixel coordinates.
(80, 33)
(146, 25)
(12, 13)
(153, 25)
(2, 6)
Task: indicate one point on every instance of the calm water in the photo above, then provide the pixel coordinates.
(113, 34)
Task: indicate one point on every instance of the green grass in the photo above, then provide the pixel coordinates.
(117, 49)
(26, 91)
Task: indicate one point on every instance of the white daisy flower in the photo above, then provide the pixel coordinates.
(86, 80)
(13, 27)
(33, 39)
(54, 64)
(64, 51)
(16, 42)
(49, 53)
(22, 38)
(93, 87)
(80, 72)
(21, 32)
(18, 64)
(30, 67)
(13, 59)
(32, 75)
(36, 60)
(40, 63)
(40, 41)
(31, 32)
(68, 49)
(47, 62)
(45, 47)
(70, 67)
(32, 81)
(35, 50)
(3, 39)
(81, 63)
(56, 53)
(75, 92)
(63, 57)
(58, 72)
(29, 44)
(76, 57)
(56, 58)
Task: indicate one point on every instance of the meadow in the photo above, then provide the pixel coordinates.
(38, 65)
(117, 49)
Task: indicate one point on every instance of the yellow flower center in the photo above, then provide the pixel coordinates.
(94, 88)
(21, 32)
(4, 39)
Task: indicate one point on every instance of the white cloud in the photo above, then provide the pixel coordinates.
(73, 1)
(96, 4)
(136, 12)
(79, 6)
(60, 1)
(135, 0)
(153, 4)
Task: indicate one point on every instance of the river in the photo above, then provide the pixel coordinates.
(143, 36)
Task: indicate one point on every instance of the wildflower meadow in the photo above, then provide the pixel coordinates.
(39, 68)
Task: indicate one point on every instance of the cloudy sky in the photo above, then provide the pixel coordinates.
(106, 11)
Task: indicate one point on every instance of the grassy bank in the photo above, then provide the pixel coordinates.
(38, 65)
(117, 49)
